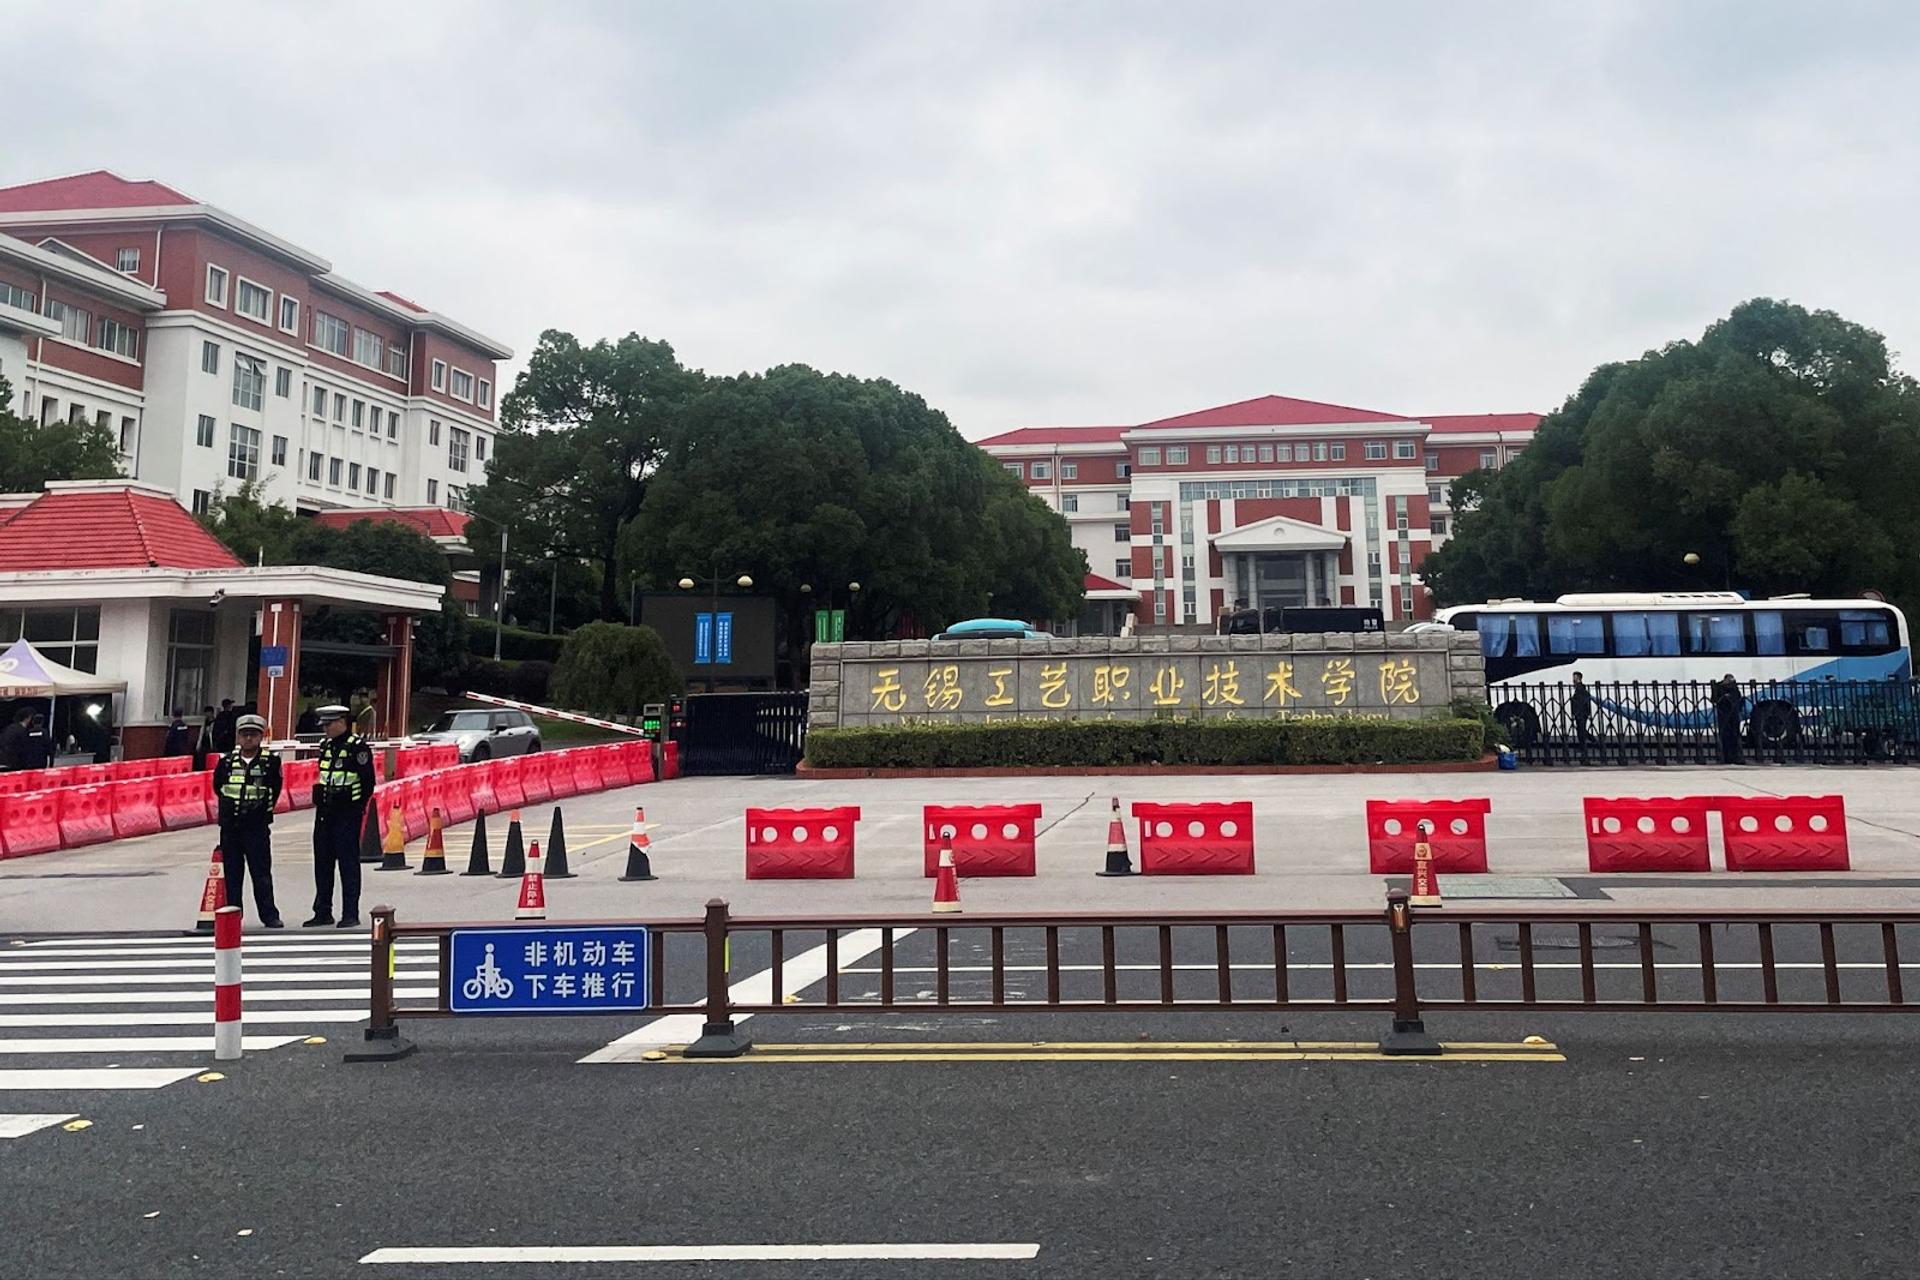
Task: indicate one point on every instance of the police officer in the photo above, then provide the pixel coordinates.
(340, 795)
(247, 780)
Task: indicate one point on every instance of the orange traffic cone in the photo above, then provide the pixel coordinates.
(1426, 884)
(639, 866)
(946, 884)
(533, 889)
(393, 853)
(1118, 864)
(434, 861)
(213, 895)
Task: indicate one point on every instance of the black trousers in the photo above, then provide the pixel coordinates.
(1729, 727)
(248, 847)
(336, 845)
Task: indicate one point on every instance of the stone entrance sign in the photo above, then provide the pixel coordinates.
(1399, 675)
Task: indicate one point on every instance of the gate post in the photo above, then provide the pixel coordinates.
(719, 1038)
(383, 1043)
(1409, 1036)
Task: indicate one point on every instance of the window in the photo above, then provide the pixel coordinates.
(389, 491)
(1373, 563)
(462, 385)
(314, 461)
(333, 471)
(76, 413)
(479, 448)
(12, 295)
(76, 323)
(282, 382)
(1266, 453)
(279, 451)
(367, 348)
(250, 300)
(1433, 462)
(1283, 453)
(203, 433)
(1042, 471)
(1576, 633)
(1070, 502)
(319, 402)
(1403, 449)
(1438, 524)
(433, 431)
(1177, 456)
(339, 407)
(1406, 602)
(1149, 456)
(70, 635)
(1122, 533)
(393, 424)
(1376, 450)
(1121, 470)
(126, 261)
(289, 314)
(129, 435)
(457, 441)
(190, 646)
(1069, 471)
(243, 452)
(1436, 496)
(1769, 634)
(1123, 568)
(210, 357)
(216, 285)
(1339, 449)
(397, 362)
(121, 339)
(1320, 451)
(359, 415)
(249, 380)
(1646, 635)
(1233, 453)
(1213, 455)
(353, 475)
(456, 498)
(1488, 459)
(373, 419)
(1121, 501)
(202, 502)
(1716, 633)
(1510, 635)
(373, 481)
(433, 492)
(1159, 606)
(330, 333)
(439, 375)
(1865, 629)
(1018, 469)
(486, 394)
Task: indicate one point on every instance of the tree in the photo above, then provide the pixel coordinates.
(609, 669)
(31, 454)
(582, 431)
(1782, 448)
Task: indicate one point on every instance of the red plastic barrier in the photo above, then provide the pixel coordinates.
(642, 762)
(136, 807)
(988, 839)
(536, 778)
(296, 782)
(1634, 834)
(133, 770)
(413, 803)
(1196, 839)
(615, 764)
(88, 775)
(508, 779)
(1785, 833)
(183, 800)
(409, 762)
(86, 814)
(801, 844)
(1455, 832)
(560, 774)
(447, 755)
(36, 779)
(463, 792)
(587, 775)
(29, 823)
(164, 766)
(670, 760)
(14, 782)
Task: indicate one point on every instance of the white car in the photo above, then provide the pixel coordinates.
(483, 735)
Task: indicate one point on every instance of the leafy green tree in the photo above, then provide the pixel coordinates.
(31, 455)
(1782, 449)
(582, 432)
(610, 669)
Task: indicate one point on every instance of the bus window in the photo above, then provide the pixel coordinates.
(1716, 633)
(1509, 635)
(1812, 632)
(1576, 633)
(1865, 629)
(1646, 635)
(1769, 633)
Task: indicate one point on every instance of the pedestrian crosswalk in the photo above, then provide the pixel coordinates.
(83, 1015)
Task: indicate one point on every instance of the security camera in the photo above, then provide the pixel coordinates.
(214, 601)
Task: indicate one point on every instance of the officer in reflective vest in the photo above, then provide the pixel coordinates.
(247, 780)
(340, 795)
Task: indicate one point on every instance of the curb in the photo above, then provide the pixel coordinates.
(1486, 764)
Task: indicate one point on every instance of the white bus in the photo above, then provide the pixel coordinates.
(1775, 648)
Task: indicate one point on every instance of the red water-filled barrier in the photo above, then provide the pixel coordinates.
(183, 800)
(479, 786)
(586, 770)
(801, 844)
(165, 765)
(29, 823)
(987, 839)
(296, 782)
(507, 776)
(1784, 833)
(1629, 833)
(536, 778)
(1455, 831)
(14, 782)
(134, 770)
(86, 815)
(136, 807)
(457, 794)
(670, 761)
(1196, 839)
(413, 804)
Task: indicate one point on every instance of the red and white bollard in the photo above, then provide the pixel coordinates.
(226, 984)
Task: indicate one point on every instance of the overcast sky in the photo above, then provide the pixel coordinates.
(1039, 213)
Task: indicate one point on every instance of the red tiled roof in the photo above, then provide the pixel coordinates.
(435, 522)
(1275, 411)
(1057, 435)
(97, 190)
(1095, 582)
(107, 529)
(1483, 422)
(408, 303)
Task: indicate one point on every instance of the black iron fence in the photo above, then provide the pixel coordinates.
(744, 733)
(1682, 722)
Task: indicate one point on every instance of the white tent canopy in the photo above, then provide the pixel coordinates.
(22, 664)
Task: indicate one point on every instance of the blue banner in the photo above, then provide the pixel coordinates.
(591, 969)
(723, 638)
(702, 638)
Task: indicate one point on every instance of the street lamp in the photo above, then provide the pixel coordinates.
(745, 583)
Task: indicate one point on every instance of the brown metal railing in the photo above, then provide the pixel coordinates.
(1450, 953)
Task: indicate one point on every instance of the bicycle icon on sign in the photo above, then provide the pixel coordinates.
(487, 981)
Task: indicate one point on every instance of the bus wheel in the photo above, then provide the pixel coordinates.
(1520, 722)
(1775, 724)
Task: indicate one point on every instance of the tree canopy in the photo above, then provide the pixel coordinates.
(607, 669)
(31, 455)
(1782, 449)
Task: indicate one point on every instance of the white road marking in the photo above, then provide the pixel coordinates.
(423, 972)
(1689, 966)
(132, 1044)
(203, 1018)
(252, 946)
(18, 1124)
(185, 962)
(95, 1077)
(798, 973)
(713, 1253)
(248, 998)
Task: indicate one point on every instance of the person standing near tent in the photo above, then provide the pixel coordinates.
(340, 796)
(13, 741)
(247, 780)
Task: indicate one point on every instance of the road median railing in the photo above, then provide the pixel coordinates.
(1399, 961)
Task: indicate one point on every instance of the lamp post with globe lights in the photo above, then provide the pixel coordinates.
(745, 583)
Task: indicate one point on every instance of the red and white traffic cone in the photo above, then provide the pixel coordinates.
(1426, 882)
(1118, 864)
(434, 861)
(639, 866)
(226, 984)
(213, 895)
(533, 888)
(946, 884)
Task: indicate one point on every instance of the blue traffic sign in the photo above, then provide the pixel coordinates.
(591, 969)
(273, 655)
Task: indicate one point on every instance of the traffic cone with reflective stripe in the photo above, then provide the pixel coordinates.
(557, 849)
(514, 860)
(434, 861)
(533, 892)
(394, 849)
(1118, 864)
(1426, 884)
(213, 895)
(946, 884)
(480, 860)
(370, 833)
(639, 866)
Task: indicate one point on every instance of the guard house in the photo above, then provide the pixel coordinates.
(115, 578)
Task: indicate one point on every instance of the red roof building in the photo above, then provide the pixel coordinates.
(107, 525)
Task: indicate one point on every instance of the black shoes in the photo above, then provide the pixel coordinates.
(317, 921)
(348, 922)
(275, 923)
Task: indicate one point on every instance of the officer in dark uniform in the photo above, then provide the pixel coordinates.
(247, 780)
(340, 796)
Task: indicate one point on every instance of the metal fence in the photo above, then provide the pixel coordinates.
(1780, 722)
(1399, 961)
(744, 733)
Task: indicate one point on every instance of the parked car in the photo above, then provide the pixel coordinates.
(482, 735)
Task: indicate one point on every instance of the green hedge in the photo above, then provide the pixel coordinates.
(517, 644)
(1323, 740)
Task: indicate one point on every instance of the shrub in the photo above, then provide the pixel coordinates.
(608, 669)
(516, 643)
(1315, 740)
